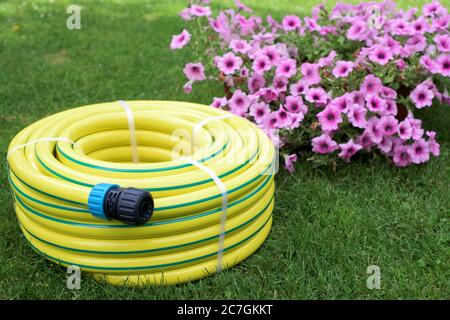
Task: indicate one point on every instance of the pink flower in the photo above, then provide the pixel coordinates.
(228, 63)
(422, 96)
(400, 27)
(442, 42)
(272, 53)
(240, 46)
(324, 144)
(391, 107)
(310, 73)
(433, 146)
(199, 11)
(329, 118)
(429, 64)
(261, 64)
(298, 88)
(317, 95)
(375, 104)
(179, 41)
(295, 104)
(386, 144)
(187, 87)
(404, 130)
(287, 68)
(417, 131)
(443, 64)
(433, 9)
(373, 130)
(348, 150)
(420, 25)
(289, 161)
(271, 121)
(185, 14)
(219, 102)
(357, 116)
(380, 55)
(242, 6)
(365, 140)
(259, 111)
(239, 101)
(328, 60)
(419, 152)
(280, 84)
(342, 103)
(283, 117)
(371, 85)
(357, 30)
(291, 23)
(343, 69)
(402, 157)
(256, 82)
(388, 125)
(194, 71)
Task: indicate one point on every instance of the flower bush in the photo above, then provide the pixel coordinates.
(333, 84)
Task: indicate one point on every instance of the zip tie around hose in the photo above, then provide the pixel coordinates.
(131, 127)
(211, 173)
(195, 229)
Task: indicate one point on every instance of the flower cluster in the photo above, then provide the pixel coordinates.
(335, 83)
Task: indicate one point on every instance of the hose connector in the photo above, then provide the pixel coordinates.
(128, 205)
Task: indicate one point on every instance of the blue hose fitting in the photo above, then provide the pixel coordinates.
(128, 205)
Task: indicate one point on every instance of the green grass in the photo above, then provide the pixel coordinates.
(328, 227)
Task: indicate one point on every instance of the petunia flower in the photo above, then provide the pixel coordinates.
(291, 23)
(228, 63)
(310, 73)
(443, 64)
(329, 118)
(239, 100)
(261, 64)
(442, 42)
(219, 102)
(194, 71)
(419, 152)
(348, 150)
(343, 69)
(324, 144)
(286, 68)
(317, 95)
(357, 116)
(380, 55)
(371, 85)
(289, 161)
(422, 96)
(404, 130)
(240, 46)
(259, 111)
(179, 41)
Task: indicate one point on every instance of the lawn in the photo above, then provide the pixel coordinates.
(328, 226)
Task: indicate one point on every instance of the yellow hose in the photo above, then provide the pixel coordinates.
(52, 180)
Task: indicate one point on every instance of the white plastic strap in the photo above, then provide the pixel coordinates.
(132, 128)
(223, 217)
(199, 125)
(29, 143)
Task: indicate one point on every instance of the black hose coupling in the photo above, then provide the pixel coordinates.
(128, 205)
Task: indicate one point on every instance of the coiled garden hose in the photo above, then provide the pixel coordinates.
(65, 171)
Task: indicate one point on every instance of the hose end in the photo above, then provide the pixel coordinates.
(128, 205)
